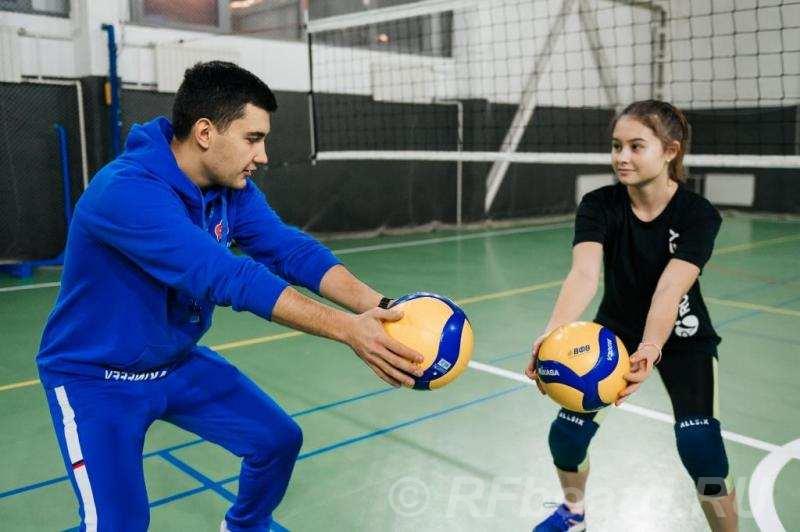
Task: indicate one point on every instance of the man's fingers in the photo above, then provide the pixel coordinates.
(403, 350)
(393, 372)
(383, 376)
(400, 363)
(388, 314)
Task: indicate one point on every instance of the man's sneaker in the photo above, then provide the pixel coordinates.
(562, 520)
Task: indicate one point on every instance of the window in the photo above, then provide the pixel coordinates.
(59, 8)
(272, 19)
(202, 15)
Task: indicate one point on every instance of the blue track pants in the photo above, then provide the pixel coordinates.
(101, 424)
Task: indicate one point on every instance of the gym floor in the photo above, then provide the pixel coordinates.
(472, 456)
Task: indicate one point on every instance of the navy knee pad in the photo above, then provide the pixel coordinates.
(570, 435)
(703, 454)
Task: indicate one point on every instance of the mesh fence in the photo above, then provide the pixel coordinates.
(32, 218)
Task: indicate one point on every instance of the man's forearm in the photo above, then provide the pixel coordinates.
(344, 288)
(302, 313)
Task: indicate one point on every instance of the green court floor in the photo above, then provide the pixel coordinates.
(472, 456)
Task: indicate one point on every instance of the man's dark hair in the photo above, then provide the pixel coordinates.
(219, 91)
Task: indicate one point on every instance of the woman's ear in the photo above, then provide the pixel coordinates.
(672, 149)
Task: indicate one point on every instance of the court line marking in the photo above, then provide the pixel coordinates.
(752, 306)
(458, 238)
(196, 475)
(376, 247)
(638, 410)
(454, 238)
(464, 301)
(752, 442)
(762, 480)
(196, 441)
(29, 286)
(21, 384)
(762, 486)
(753, 245)
(369, 435)
(294, 334)
(474, 299)
(257, 340)
(751, 313)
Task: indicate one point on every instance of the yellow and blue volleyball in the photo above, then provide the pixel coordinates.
(439, 330)
(582, 366)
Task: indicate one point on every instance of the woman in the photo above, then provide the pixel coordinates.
(653, 238)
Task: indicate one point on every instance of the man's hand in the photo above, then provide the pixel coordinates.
(642, 364)
(530, 371)
(389, 359)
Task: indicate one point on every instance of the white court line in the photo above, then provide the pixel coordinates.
(762, 486)
(762, 481)
(29, 287)
(454, 238)
(633, 409)
(377, 247)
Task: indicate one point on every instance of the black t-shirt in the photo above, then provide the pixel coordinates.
(635, 254)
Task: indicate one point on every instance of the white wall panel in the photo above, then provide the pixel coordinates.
(172, 60)
(9, 54)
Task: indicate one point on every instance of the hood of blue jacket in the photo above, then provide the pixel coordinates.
(148, 146)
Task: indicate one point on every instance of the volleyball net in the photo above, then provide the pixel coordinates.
(521, 82)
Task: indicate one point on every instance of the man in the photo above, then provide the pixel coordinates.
(147, 260)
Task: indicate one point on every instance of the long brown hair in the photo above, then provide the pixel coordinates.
(668, 123)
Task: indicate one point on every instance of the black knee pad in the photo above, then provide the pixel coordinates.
(570, 435)
(703, 454)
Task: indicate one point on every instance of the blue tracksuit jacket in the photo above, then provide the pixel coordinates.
(147, 260)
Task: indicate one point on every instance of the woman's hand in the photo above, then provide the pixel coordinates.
(642, 363)
(530, 371)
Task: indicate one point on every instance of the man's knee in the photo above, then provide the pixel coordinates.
(278, 439)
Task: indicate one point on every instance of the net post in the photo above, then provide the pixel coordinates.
(312, 122)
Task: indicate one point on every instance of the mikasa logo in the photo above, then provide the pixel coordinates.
(609, 349)
(548, 372)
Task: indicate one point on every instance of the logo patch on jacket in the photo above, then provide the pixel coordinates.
(218, 229)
